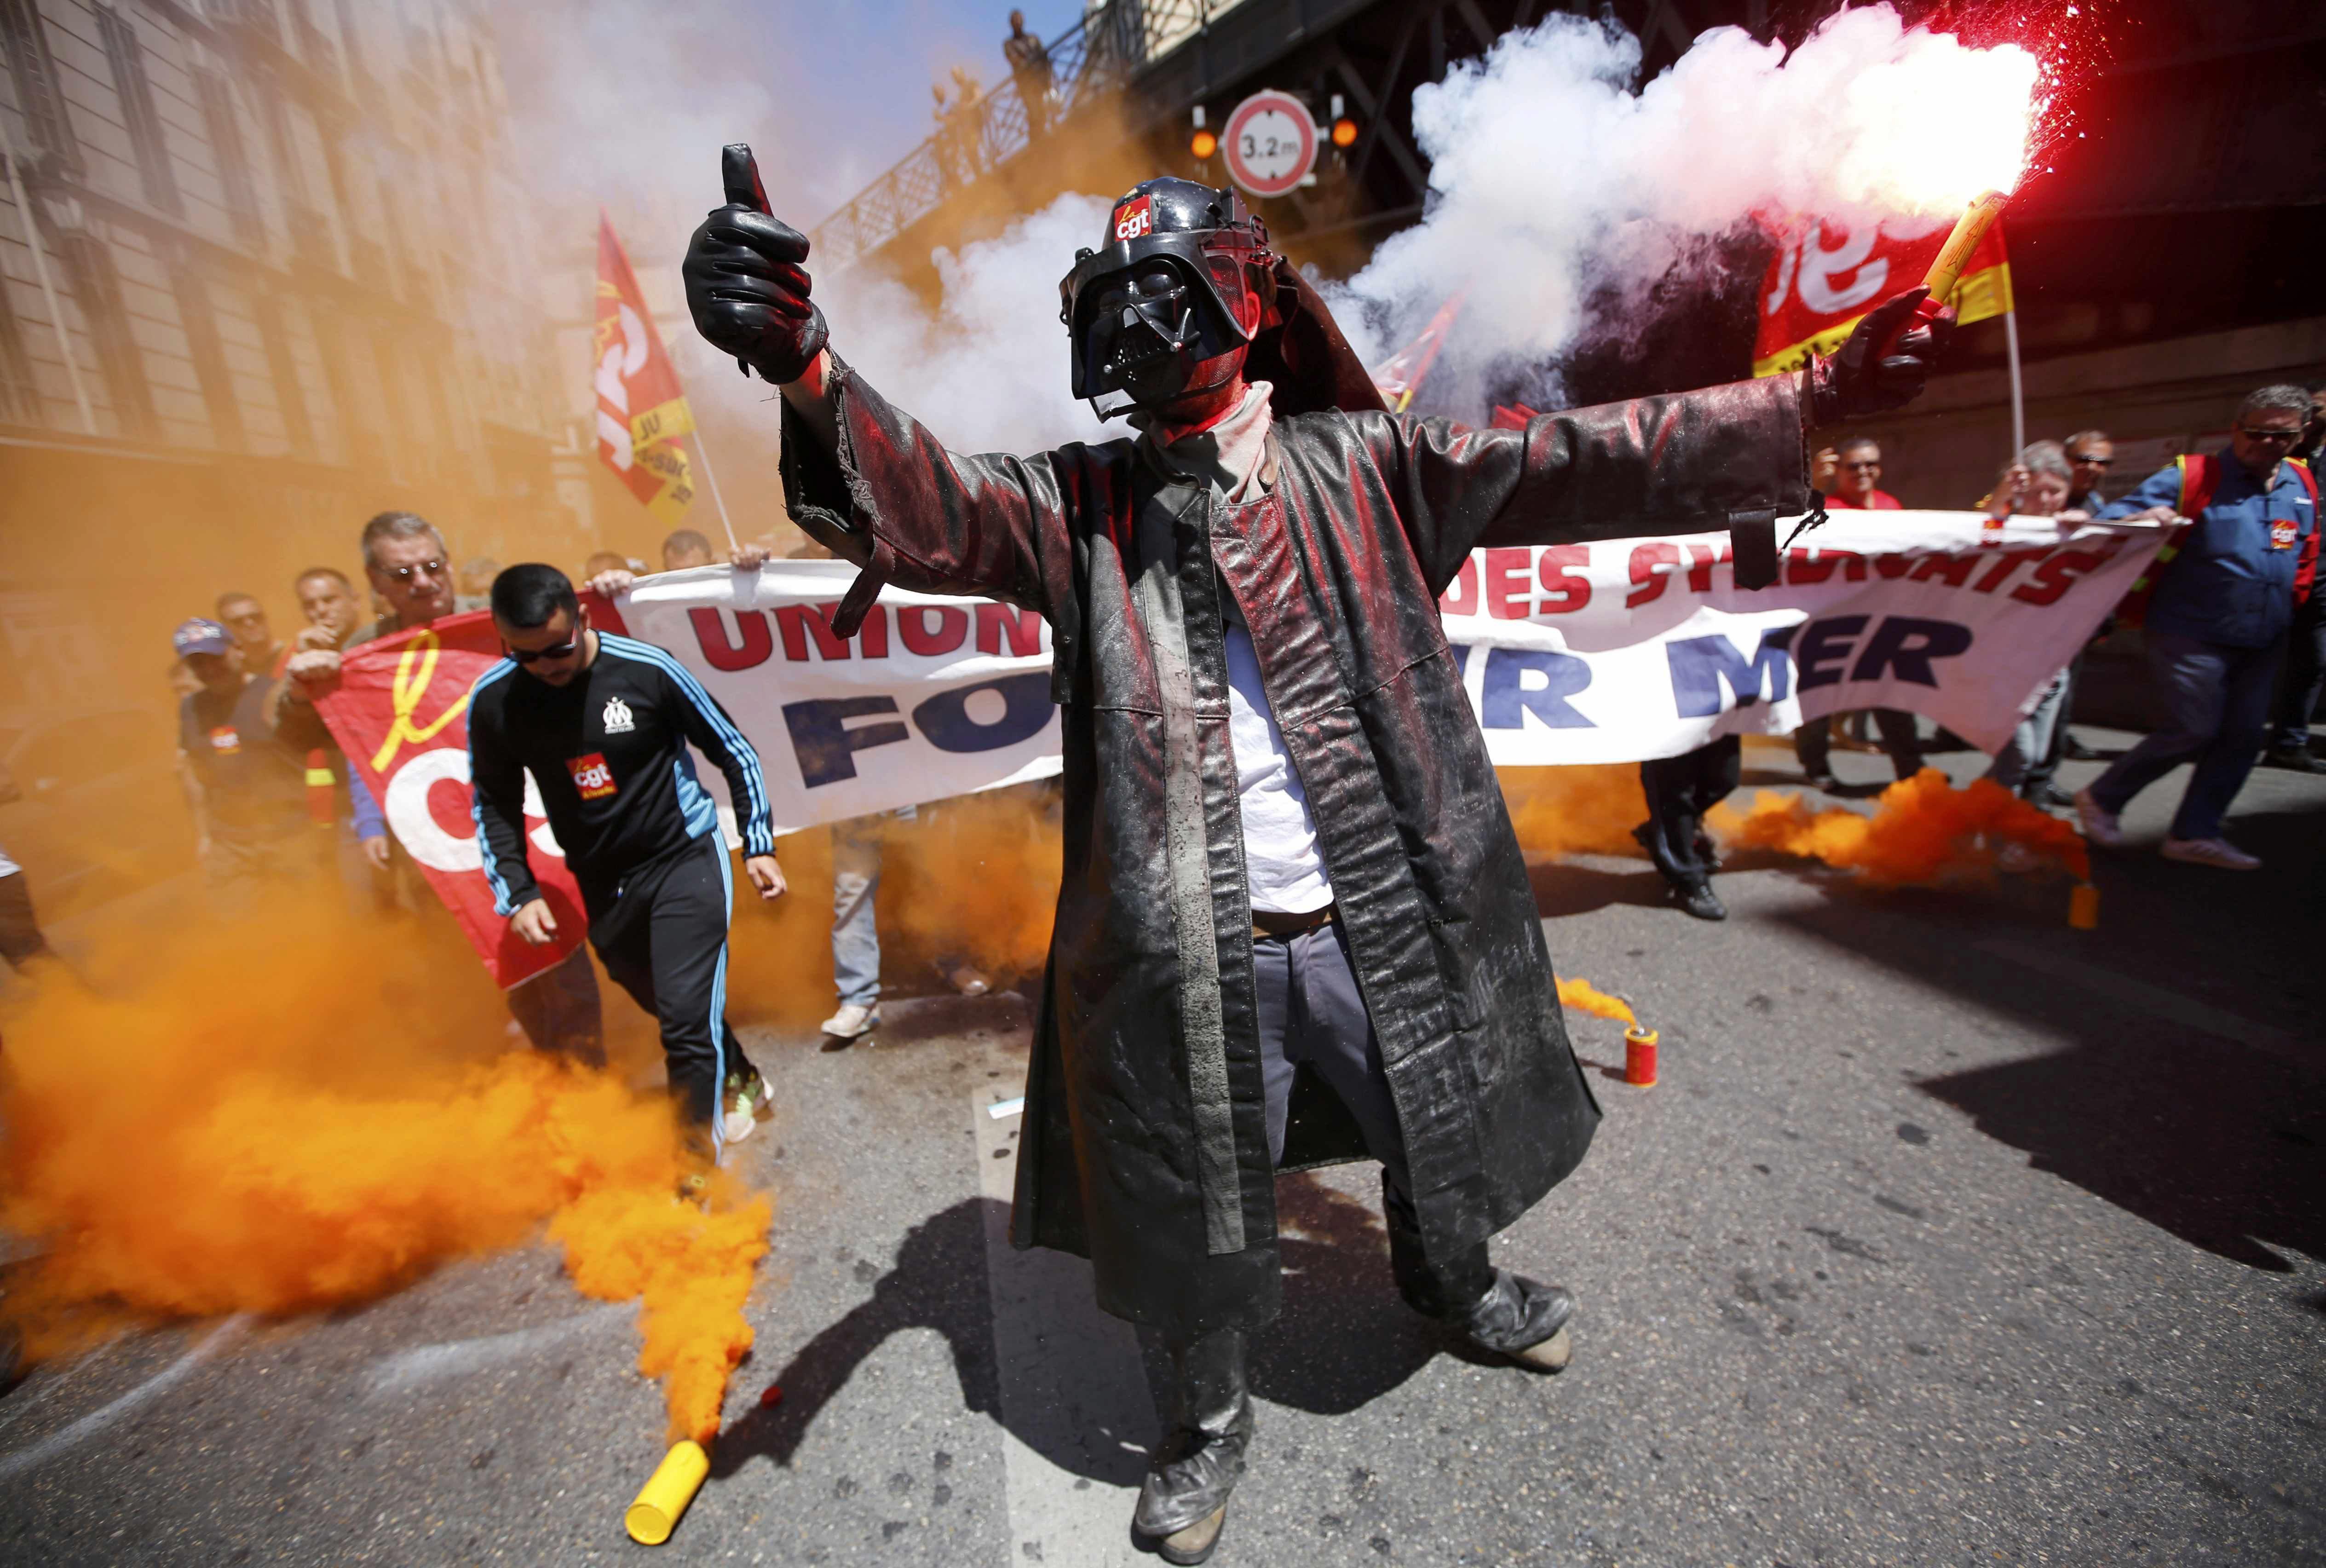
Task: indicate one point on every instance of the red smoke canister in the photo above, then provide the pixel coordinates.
(1640, 1056)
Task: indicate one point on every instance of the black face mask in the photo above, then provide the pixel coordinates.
(1182, 285)
(1147, 331)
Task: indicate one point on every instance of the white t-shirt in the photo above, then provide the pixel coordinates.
(1282, 863)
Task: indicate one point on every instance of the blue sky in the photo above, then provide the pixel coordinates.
(627, 102)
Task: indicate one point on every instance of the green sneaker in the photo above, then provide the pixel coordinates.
(745, 1103)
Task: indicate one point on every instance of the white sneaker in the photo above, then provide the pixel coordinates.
(2100, 826)
(2219, 852)
(966, 978)
(853, 1020)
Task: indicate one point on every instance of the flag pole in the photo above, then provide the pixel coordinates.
(719, 500)
(2018, 397)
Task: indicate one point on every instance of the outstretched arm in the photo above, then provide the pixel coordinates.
(864, 478)
(1685, 463)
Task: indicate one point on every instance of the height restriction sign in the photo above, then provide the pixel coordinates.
(1271, 142)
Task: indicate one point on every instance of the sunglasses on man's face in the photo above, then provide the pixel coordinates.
(556, 650)
(423, 568)
(2091, 461)
(1862, 467)
(2250, 434)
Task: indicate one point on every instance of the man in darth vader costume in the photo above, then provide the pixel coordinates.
(1294, 926)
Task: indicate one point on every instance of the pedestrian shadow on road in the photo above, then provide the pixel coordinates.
(938, 1283)
(2197, 1131)
(1342, 1339)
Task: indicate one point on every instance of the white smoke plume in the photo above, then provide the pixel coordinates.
(1553, 180)
(987, 373)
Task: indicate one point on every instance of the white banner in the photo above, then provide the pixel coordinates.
(1633, 648)
(1611, 652)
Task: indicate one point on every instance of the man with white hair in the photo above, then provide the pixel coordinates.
(411, 569)
(2217, 606)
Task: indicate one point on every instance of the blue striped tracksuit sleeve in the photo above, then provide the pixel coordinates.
(714, 734)
(498, 777)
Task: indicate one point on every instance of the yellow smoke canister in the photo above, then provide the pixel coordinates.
(655, 1514)
(2084, 907)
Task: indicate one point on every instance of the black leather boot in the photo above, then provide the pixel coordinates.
(1184, 1503)
(1497, 1309)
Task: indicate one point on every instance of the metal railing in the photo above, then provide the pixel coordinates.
(1089, 61)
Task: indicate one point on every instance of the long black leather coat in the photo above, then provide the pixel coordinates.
(1145, 1144)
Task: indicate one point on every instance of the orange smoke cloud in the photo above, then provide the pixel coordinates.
(295, 1113)
(1585, 997)
(1590, 808)
(1923, 831)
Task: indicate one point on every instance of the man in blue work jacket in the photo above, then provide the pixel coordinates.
(2217, 604)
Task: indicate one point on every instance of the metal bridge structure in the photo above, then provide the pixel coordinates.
(1123, 82)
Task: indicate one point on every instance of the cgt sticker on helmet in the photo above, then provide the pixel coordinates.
(1135, 218)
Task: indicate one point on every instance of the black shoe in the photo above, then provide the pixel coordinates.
(2048, 795)
(2075, 751)
(1182, 1505)
(2301, 761)
(1708, 853)
(1524, 1321)
(1823, 781)
(1698, 899)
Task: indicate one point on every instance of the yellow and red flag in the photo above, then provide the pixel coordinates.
(1827, 276)
(641, 411)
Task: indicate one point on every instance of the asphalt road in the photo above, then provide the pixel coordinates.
(1951, 1235)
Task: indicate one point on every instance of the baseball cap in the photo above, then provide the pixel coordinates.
(200, 636)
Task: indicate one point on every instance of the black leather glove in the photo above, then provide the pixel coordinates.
(750, 294)
(1863, 376)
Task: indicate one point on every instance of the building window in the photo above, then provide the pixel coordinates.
(233, 158)
(127, 58)
(97, 286)
(200, 322)
(285, 369)
(39, 98)
(20, 395)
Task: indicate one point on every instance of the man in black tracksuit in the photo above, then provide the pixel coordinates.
(603, 723)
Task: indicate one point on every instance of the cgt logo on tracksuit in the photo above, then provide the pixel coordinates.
(592, 776)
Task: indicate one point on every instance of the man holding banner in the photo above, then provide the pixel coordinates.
(1294, 926)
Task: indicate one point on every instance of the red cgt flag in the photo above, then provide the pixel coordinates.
(401, 713)
(641, 411)
(1826, 277)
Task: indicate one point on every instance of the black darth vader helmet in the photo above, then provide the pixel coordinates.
(1186, 276)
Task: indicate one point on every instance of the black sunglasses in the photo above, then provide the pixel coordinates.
(2251, 434)
(2091, 461)
(558, 650)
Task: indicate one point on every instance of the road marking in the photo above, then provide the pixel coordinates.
(2140, 994)
(426, 1364)
(97, 1420)
(1076, 1417)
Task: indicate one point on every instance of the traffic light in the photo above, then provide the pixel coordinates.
(1205, 145)
(1345, 132)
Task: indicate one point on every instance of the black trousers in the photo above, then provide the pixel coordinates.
(662, 934)
(1311, 1014)
(1679, 791)
(1813, 742)
(2305, 675)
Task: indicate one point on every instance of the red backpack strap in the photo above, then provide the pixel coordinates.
(2200, 476)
